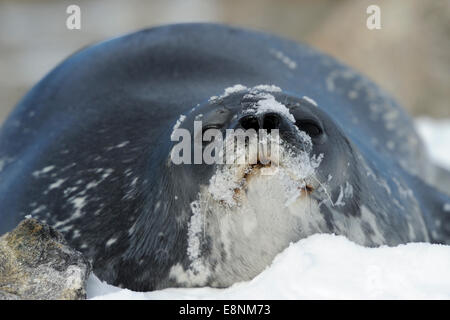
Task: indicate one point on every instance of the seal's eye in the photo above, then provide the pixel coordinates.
(312, 128)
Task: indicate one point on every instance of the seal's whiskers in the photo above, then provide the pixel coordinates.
(324, 190)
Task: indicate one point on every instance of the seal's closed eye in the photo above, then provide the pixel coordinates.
(218, 116)
(311, 127)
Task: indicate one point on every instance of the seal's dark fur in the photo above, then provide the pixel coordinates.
(86, 149)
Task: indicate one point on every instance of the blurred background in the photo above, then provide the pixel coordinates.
(409, 57)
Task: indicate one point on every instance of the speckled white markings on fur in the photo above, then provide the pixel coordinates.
(118, 146)
(339, 201)
(344, 193)
(291, 64)
(56, 184)
(110, 242)
(43, 171)
(78, 204)
(313, 102)
(177, 125)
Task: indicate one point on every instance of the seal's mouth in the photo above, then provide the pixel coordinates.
(291, 169)
(246, 174)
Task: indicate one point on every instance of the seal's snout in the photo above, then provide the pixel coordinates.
(267, 121)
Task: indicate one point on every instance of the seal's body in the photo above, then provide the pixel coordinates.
(88, 151)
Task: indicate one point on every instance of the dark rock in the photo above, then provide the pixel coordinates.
(37, 263)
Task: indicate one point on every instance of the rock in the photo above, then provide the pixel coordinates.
(37, 263)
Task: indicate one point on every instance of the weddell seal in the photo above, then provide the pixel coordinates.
(89, 150)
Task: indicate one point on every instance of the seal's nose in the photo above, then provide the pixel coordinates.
(271, 121)
(266, 121)
(249, 122)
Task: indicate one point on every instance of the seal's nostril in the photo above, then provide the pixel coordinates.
(249, 122)
(271, 121)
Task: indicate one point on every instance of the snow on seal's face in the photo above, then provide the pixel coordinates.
(252, 217)
(248, 213)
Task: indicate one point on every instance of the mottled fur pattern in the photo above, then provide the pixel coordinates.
(87, 151)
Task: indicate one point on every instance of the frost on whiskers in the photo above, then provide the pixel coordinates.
(293, 173)
(294, 169)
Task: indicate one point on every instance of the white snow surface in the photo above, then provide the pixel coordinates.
(326, 266)
(436, 135)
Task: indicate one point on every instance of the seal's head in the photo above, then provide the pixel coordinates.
(264, 162)
(97, 158)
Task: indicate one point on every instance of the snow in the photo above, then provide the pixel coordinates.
(436, 135)
(266, 87)
(233, 89)
(195, 228)
(176, 126)
(228, 91)
(43, 171)
(325, 266)
(268, 103)
(310, 100)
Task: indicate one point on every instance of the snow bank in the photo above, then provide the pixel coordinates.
(436, 135)
(327, 267)
(331, 267)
